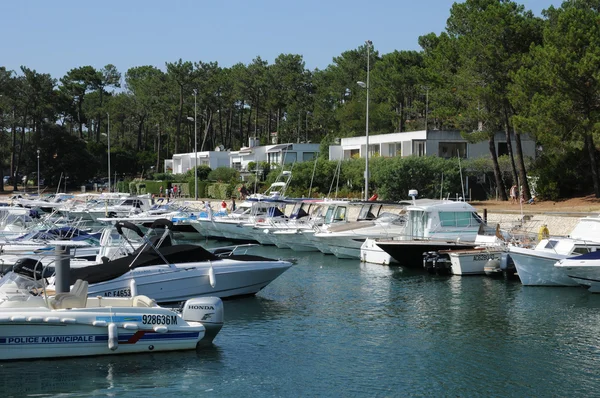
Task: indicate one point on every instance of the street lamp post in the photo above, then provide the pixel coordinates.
(108, 139)
(369, 43)
(426, 105)
(38, 171)
(195, 119)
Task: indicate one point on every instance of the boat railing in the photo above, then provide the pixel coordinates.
(226, 251)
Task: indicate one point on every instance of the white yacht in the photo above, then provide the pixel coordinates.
(431, 225)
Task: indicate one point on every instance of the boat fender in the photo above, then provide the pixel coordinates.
(211, 276)
(133, 288)
(113, 337)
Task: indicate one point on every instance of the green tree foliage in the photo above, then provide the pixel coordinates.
(495, 67)
(558, 90)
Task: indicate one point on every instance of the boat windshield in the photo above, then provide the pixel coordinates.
(16, 287)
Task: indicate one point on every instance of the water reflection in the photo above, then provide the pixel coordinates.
(105, 375)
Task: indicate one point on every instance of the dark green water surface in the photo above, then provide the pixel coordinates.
(330, 327)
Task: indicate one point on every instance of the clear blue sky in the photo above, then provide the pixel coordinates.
(55, 36)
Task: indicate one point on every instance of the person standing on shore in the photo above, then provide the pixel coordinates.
(513, 194)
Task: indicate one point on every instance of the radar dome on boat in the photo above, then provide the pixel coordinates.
(413, 193)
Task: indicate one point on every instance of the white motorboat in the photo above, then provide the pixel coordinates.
(536, 266)
(242, 227)
(38, 323)
(432, 225)
(473, 261)
(34, 325)
(126, 207)
(345, 240)
(173, 273)
(181, 218)
(583, 269)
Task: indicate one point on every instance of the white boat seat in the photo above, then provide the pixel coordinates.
(76, 298)
(143, 301)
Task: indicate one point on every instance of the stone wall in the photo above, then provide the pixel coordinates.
(558, 224)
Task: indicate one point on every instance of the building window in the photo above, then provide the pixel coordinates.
(373, 150)
(502, 149)
(290, 157)
(306, 156)
(394, 149)
(419, 148)
(449, 150)
(273, 158)
(354, 153)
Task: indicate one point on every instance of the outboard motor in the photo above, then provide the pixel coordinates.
(436, 263)
(492, 268)
(32, 268)
(428, 261)
(209, 312)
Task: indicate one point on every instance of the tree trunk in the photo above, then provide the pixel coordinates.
(497, 173)
(158, 150)
(521, 166)
(241, 123)
(79, 113)
(139, 134)
(591, 149)
(513, 168)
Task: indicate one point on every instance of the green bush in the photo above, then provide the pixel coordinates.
(203, 172)
(202, 187)
(163, 176)
(224, 174)
(219, 191)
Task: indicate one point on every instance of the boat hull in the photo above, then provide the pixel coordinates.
(167, 285)
(410, 252)
(536, 268)
(472, 262)
(42, 333)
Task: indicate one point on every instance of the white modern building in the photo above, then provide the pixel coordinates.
(445, 144)
(239, 160)
(182, 162)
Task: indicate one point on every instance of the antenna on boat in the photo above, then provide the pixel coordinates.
(413, 193)
(59, 181)
(462, 184)
(442, 187)
(334, 175)
(313, 176)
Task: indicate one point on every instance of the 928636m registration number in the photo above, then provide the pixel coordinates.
(159, 319)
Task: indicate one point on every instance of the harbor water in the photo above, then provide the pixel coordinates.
(331, 327)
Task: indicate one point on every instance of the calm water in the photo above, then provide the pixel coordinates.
(330, 327)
